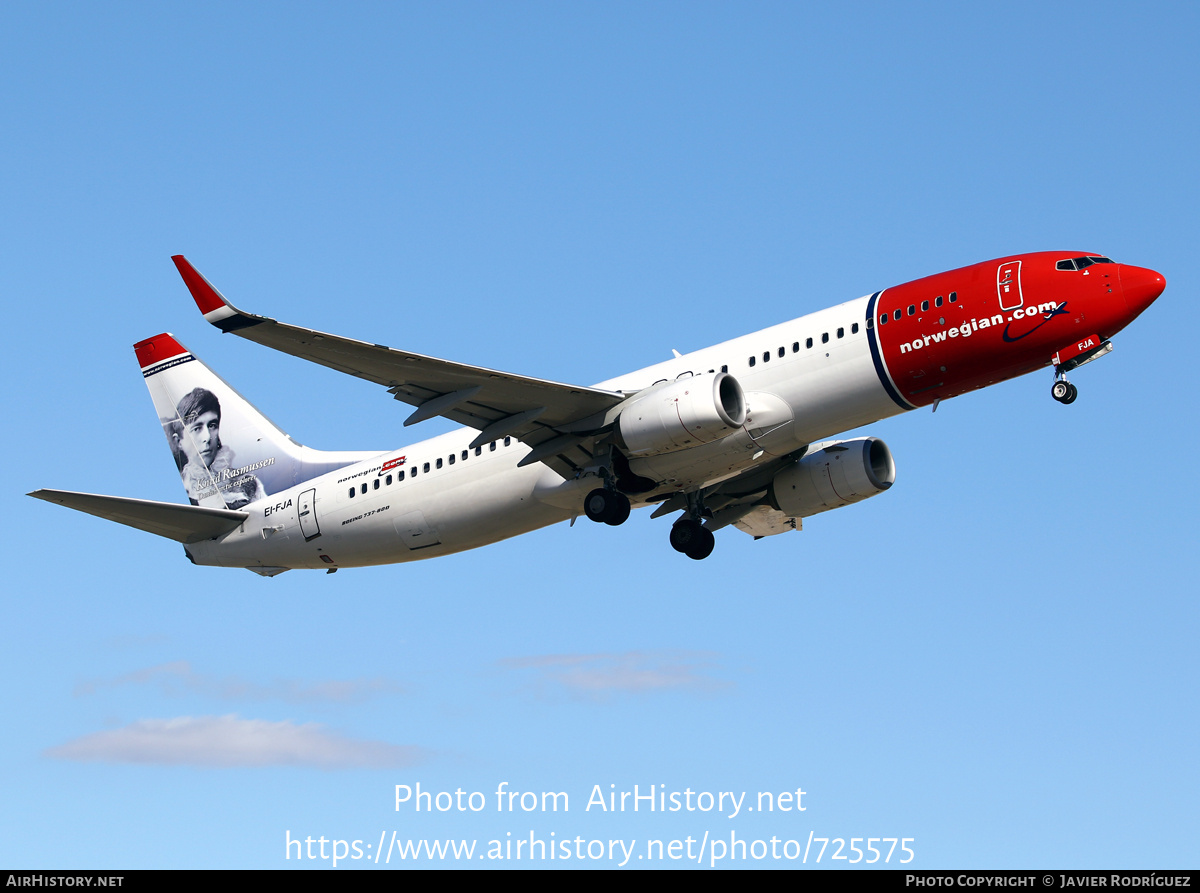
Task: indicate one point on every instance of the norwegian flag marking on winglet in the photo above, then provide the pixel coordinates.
(210, 301)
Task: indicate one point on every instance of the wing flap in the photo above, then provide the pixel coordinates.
(182, 523)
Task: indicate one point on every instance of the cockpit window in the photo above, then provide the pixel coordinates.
(1079, 263)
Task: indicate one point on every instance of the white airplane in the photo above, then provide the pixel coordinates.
(736, 434)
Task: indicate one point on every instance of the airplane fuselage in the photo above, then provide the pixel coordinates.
(905, 347)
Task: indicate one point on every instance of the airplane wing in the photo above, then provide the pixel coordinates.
(554, 419)
(182, 523)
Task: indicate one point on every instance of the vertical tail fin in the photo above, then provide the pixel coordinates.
(227, 453)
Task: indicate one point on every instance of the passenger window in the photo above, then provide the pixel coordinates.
(507, 441)
(883, 318)
(376, 487)
(841, 332)
(766, 356)
(414, 471)
(752, 361)
(912, 309)
(870, 322)
(795, 347)
(451, 458)
(400, 475)
(808, 343)
(824, 337)
(351, 492)
(439, 462)
(896, 316)
(425, 468)
(953, 296)
(389, 480)
(492, 446)
(937, 302)
(364, 489)
(854, 329)
(924, 306)
(465, 453)
(478, 451)
(724, 368)
(782, 351)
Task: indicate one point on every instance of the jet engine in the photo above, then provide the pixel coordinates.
(833, 474)
(680, 414)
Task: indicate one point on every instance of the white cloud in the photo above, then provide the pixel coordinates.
(228, 741)
(597, 675)
(178, 678)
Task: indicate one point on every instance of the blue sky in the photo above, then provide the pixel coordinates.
(995, 658)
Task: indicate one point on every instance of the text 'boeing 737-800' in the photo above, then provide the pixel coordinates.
(736, 434)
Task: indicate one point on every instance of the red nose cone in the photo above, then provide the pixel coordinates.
(1141, 287)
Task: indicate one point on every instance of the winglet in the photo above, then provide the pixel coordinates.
(216, 309)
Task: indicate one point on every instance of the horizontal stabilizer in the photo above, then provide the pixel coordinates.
(182, 523)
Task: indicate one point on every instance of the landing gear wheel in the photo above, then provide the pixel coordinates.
(692, 539)
(599, 505)
(704, 547)
(620, 511)
(606, 506)
(1061, 391)
(1073, 392)
(685, 534)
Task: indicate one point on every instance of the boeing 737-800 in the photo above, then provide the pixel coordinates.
(736, 434)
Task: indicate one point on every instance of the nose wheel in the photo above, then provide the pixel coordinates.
(1063, 391)
(607, 506)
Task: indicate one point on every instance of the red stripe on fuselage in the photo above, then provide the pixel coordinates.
(945, 351)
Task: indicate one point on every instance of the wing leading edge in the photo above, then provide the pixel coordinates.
(554, 419)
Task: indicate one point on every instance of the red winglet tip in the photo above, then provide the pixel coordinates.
(206, 297)
(156, 349)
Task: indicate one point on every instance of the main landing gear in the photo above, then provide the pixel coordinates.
(1063, 391)
(607, 506)
(689, 536)
(692, 538)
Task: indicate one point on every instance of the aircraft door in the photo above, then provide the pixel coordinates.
(308, 515)
(1008, 285)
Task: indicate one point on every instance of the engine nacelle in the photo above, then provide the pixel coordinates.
(836, 473)
(680, 414)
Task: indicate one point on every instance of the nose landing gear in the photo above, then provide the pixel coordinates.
(1071, 358)
(1063, 391)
